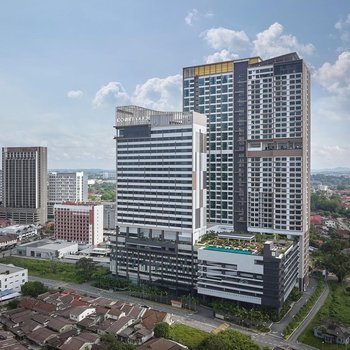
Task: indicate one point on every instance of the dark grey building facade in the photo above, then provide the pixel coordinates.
(24, 181)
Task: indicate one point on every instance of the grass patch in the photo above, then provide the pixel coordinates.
(336, 307)
(55, 270)
(302, 313)
(189, 336)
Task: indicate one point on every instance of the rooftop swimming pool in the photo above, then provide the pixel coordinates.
(230, 250)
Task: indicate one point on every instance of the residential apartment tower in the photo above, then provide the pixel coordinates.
(258, 115)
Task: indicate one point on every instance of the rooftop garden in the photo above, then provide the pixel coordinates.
(245, 243)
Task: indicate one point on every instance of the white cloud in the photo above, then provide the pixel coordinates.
(330, 156)
(343, 28)
(334, 108)
(220, 56)
(268, 43)
(191, 17)
(155, 93)
(335, 78)
(209, 14)
(273, 42)
(343, 24)
(113, 92)
(223, 38)
(74, 94)
(194, 15)
(158, 93)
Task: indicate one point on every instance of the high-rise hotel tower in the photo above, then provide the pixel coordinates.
(24, 178)
(161, 195)
(258, 151)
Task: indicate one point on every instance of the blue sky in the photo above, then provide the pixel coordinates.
(65, 65)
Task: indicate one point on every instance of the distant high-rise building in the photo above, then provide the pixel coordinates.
(0, 187)
(79, 222)
(258, 144)
(109, 215)
(66, 187)
(24, 184)
(161, 195)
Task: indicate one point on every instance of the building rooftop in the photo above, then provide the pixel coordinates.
(136, 115)
(241, 244)
(49, 244)
(161, 344)
(5, 269)
(16, 228)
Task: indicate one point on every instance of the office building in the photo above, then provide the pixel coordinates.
(24, 179)
(258, 145)
(109, 215)
(79, 222)
(47, 249)
(0, 187)
(66, 187)
(161, 195)
(11, 280)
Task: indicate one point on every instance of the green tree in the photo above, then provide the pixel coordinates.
(110, 342)
(33, 289)
(85, 269)
(228, 340)
(12, 304)
(339, 264)
(162, 330)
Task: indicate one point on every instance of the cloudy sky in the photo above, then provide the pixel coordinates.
(65, 65)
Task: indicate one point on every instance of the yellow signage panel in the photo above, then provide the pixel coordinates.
(215, 68)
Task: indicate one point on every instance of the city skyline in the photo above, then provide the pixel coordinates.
(64, 67)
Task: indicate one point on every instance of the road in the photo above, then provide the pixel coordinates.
(295, 335)
(278, 327)
(203, 319)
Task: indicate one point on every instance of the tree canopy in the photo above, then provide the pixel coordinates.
(33, 288)
(162, 330)
(228, 340)
(334, 259)
(85, 268)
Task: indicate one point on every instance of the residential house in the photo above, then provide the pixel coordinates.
(80, 312)
(135, 334)
(333, 332)
(8, 342)
(151, 317)
(41, 336)
(114, 327)
(60, 325)
(330, 224)
(115, 314)
(8, 241)
(76, 343)
(161, 344)
(316, 219)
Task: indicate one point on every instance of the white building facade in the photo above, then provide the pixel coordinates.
(66, 187)
(278, 151)
(263, 278)
(161, 195)
(11, 280)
